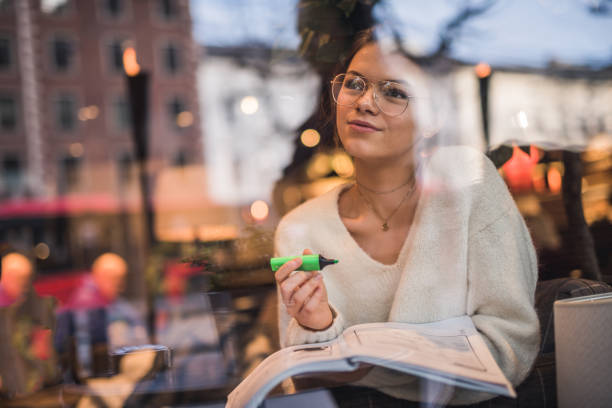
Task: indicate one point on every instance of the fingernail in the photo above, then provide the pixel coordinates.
(318, 277)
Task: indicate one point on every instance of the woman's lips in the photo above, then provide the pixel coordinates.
(362, 126)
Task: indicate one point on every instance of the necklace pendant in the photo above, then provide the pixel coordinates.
(385, 227)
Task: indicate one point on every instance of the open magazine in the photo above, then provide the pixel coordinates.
(449, 351)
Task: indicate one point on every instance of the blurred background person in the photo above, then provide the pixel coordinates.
(15, 279)
(97, 319)
(27, 359)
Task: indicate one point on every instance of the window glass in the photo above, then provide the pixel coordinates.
(121, 113)
(5, 53)
(115, 55)
(69, 170)
(176, 108)
(66, 114)
(455, 157)
(62, 54)
(8, 112)
(172, 58)
(6, 5)
(167, 9)
(12, 176)
(114, 8)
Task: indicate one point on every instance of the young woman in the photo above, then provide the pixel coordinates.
(419, 239)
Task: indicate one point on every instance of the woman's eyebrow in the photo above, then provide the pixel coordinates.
(399, 81)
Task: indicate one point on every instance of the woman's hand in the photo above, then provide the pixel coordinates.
(304, 295)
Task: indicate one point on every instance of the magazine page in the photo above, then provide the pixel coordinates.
(450, 351)
(319, 357)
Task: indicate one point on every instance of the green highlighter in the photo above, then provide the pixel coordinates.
(309, 262)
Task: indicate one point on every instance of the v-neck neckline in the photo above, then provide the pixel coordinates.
(349, 237)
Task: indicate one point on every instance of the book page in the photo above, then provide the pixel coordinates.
(451, 349)
(307, 358)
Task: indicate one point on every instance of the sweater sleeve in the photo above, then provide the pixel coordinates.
(502, 275)
(290, 239)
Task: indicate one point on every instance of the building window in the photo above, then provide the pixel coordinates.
(122, 118)
(180, 159)
(11, 171)
(115, 56)
(66, 112)
(8, 113)
(125, 163)
(114, 8)
(5, 53)
(175, 107)
(168, 9)
(171, 57)
(70, 169)
(62, 53)
(6, 5)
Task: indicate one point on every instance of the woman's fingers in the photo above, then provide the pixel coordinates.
(284, 271)
(306, 291)
(312, 303)
(291, 284)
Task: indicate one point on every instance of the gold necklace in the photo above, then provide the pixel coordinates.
(393, 190)
(385, 221)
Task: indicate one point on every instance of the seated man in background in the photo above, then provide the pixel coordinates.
(15, 279)
(97, 320)
(27, 359)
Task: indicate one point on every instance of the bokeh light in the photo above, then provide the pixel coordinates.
(342, 164)
(482, 69)
(130, 65)
(310, 138)
(319, 166)
(42, 251)
(76, 149)
(259, 210)
(554, 180)
(249, 105)
(184, 119)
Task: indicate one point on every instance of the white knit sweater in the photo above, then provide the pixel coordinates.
(468, 252)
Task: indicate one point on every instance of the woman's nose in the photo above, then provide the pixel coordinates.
(367, 101)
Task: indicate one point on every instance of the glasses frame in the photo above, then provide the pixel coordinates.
(368, 83)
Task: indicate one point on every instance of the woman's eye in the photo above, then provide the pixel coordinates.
(354, 83)
(393, 91)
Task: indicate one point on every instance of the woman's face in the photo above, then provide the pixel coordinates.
(365, 131)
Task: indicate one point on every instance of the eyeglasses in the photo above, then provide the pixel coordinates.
(390, 97)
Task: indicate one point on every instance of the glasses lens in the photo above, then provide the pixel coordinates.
(392, 97)
(347, 88)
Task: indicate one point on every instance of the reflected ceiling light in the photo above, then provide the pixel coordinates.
(41, 250)
(249, 105)
(342, 164)
(76, 149)
(259, 210)
(310, 138)
(482, 69)
(184, 119)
